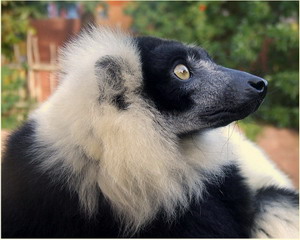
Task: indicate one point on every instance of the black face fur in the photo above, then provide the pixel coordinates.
(213, 96)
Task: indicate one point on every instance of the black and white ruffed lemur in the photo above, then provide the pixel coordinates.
(131, 145)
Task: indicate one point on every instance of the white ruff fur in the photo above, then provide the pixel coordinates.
(131, 156)
(258, 170)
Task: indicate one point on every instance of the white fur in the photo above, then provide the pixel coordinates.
(258, 170)
(208, 151)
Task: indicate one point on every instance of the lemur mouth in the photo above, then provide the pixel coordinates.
(225, 116)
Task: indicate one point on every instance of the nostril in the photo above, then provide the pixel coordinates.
(258, 85)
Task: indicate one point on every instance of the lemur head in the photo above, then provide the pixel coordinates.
(190, 89)
(185, 85)
(181, 82)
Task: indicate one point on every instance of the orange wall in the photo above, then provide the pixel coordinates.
(116, 16)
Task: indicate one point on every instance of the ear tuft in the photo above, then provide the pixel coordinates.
(109, 71)
(112, 72)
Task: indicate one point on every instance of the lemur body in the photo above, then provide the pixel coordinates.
(130, 145)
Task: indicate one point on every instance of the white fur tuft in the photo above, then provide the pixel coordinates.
(277, 220)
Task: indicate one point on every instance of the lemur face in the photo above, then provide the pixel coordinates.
(192, 91)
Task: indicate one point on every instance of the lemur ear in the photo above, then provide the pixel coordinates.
(111, 72)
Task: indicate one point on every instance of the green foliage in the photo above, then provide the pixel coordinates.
(15, 22)
(250, 128)
(259, 37)
(15, 105)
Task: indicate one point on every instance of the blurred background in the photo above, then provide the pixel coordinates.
(259, 37)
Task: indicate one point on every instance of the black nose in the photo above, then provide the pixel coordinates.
(245, 85)
(259, 85)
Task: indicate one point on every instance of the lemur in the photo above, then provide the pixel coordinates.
(133, 143)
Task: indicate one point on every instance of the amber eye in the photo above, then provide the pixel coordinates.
(182, 72)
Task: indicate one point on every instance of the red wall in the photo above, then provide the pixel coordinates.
(51, 31)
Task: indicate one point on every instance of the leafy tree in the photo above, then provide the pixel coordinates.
(259, 37)
(15, 22)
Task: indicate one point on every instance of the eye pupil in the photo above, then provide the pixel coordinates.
(182, 72)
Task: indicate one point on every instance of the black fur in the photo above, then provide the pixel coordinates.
(215, 95)
(36, 205)
(120, 102)
(275, 194)
(158, 84)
